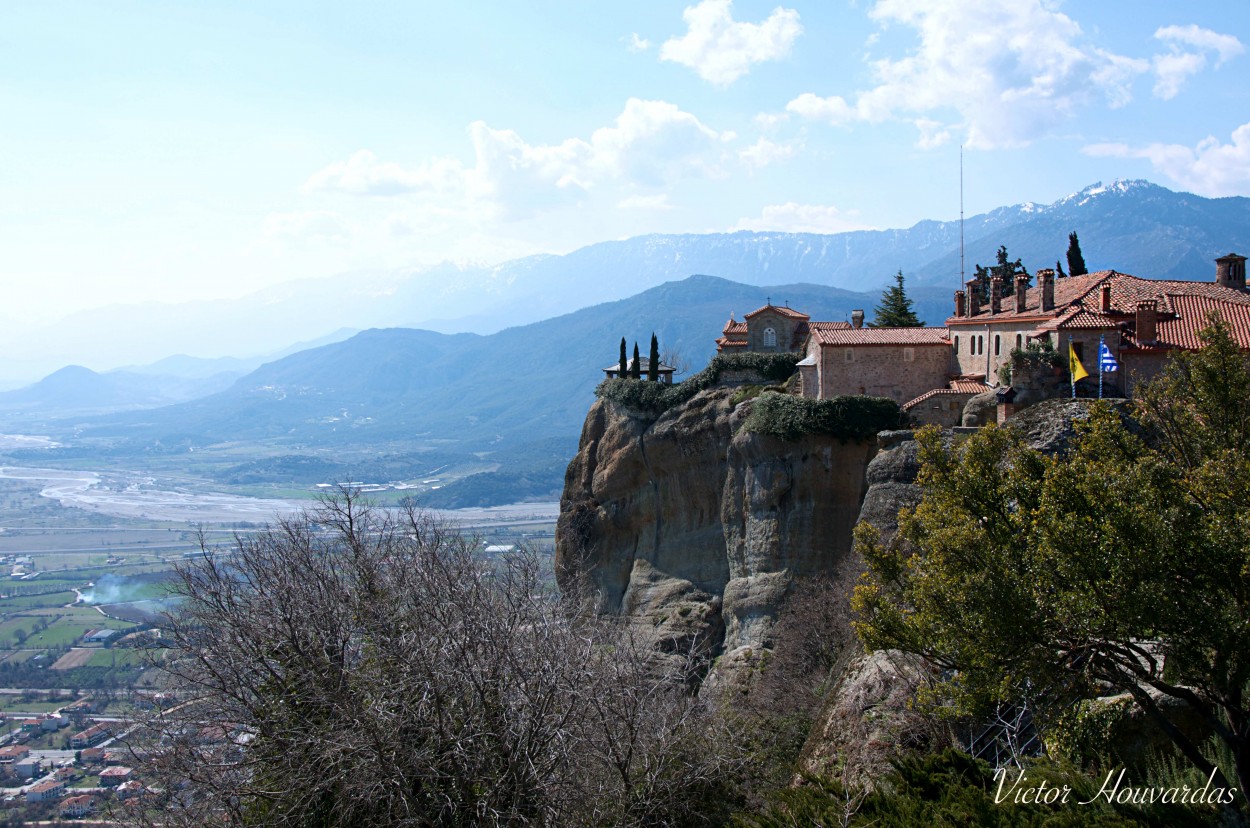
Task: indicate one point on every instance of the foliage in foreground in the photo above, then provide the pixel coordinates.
(953, 790)
(1124, 567)
(352, 668)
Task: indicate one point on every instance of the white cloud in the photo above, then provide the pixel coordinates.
(1209, 169)
(650, 144)
(833, 109)
(303, 226)
(637, 44)
(364, 174)
(1187, 55)
(802, 218)
(1003, 72)
(648, 202)
(764, 152)
(1226, 46)
(721, 50)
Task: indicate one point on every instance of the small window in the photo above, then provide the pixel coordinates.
(997, 344)
(1019, 342)
(770, 338)
(850, 354)
(909, 355)
(956, 344)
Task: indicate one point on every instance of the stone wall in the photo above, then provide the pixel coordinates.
(898, 372)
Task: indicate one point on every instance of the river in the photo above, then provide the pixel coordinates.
(143, 497)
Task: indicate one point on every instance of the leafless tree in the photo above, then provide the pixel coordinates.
(355, 666)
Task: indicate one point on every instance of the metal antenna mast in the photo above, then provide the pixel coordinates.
(962, 273)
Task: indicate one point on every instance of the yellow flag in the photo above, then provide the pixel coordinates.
(1074, 364)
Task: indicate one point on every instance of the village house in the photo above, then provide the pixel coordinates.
(113, 776)
(45, 791)
(91, 736)
(12, 753)
(76, 807)
(27, 767)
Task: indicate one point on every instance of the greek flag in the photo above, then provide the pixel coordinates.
(1106, 362)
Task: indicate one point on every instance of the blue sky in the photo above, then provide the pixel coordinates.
(175, 151)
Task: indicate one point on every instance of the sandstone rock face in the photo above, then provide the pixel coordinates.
(696, 528)
(981, 410)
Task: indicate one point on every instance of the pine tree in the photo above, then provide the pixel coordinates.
(653, 367)
(1006, 269)
(635, 370)
(1076, 262)
(895, 310)
(624, 366)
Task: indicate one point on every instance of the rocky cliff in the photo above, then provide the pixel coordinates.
(696, 526)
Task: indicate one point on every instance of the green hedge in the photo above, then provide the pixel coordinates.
(656, 397)
(847, 418)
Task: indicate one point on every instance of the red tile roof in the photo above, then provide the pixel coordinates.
(733, 327)
(1190, 314)
(790, 312)
(880, 336)
(955, 387)
(829, 326)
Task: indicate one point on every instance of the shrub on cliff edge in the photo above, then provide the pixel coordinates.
(847, 417)
(656, 398)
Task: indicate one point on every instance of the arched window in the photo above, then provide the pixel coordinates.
(770, 338)
(997, 343)
(1019, 342)
(957, 344)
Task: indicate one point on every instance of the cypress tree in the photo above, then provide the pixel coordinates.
(653, 369)
(895, 310)
(1059, 270)
(1076, 262)
(635, 370)
(624, 366)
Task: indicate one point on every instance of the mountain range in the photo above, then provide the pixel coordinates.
(1132, 226)
(498, 411)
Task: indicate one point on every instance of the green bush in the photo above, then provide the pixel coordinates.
(847, 418)
(656, 398)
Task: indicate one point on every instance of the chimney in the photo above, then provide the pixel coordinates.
(857, 319)
(959, 303)
(1046, 282)
(1022, 291)
(1147, 316)
(1230, 271)
(996, 294)
(974, 301)
(1104, 303)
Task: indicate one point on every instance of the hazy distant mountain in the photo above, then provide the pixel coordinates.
(78, 391)
(1135, 227)
(189, 367)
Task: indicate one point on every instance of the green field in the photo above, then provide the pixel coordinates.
(23, 602)
(117, 657)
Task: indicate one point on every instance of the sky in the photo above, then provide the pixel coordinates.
(181, 151)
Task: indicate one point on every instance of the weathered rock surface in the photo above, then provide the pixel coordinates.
(868, 719)
(982, 409)
(1050, 426)
(697, 528)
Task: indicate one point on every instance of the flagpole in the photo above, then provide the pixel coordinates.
(1071, 373)
(1100, 347)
